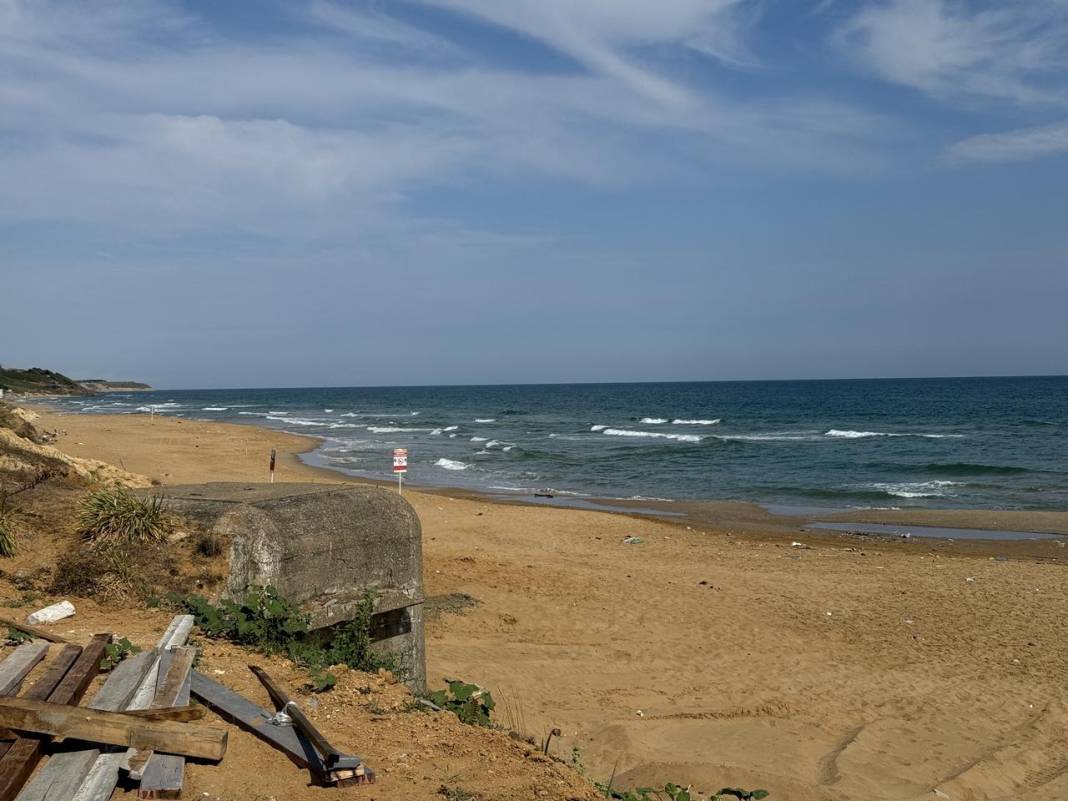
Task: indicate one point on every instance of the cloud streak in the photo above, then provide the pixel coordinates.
(1024, 144)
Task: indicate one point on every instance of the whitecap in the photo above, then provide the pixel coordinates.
(653, 420)
(598, 428)
(328, 410)
(296, 421)
(215, 408)
(623, 432)
(485, 419)
(848, 434)
(479, 439)
(436, 432)
(712, 422)
(450, 464)
(450, 428)
(393, 429)
(924, 489)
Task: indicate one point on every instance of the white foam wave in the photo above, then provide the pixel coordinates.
(598, 428)
(296, 421)
(485, 419)
(848, 434)
(328, 410)
(393, 429)
(919, 489)
(479, 439)
(653, 420)
(450, 464)
(350, 414)
(712, 422)
(784, 436)
(215, 409)
(450, 428)
(435, 432)
(256, 414)
(624, 432)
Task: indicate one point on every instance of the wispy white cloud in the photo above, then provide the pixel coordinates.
(1024, 144)
(109, 117)
(958, 50)
(603, 35)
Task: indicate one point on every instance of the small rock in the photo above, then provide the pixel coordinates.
(633, 540)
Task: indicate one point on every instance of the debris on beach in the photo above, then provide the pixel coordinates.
(51, 614)
(145, 700)
(633, 540)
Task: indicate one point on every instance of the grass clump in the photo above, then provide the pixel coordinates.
(115, 652)
(8, 527)
(114, 514)
(269, 622)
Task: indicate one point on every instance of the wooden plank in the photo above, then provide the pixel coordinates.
(113, 728)
(163, 774)
(65, 771)
(254, 719)
(18, 664)
(172, 673)
(28, 629)
(104, 775)
(282, 700)
(43, 686)
(23, 754)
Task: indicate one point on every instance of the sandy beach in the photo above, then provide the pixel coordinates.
(717, 654)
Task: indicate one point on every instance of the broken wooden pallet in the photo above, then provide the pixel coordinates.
(104, 775)
(64, 682)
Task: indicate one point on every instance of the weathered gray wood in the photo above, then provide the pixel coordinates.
(113, 728)
(254, 719)
(19, 763)
(19, 663)
(65, 771)
(164, 772)
(104, 775)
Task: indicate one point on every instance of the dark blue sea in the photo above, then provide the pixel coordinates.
(998, 443)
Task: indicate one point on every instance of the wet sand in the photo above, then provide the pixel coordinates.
(716, 651)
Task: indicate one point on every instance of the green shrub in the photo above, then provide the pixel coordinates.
(268, 622)
(114, 514)
(115, 652)
(469, 702)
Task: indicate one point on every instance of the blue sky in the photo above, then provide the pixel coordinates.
(479, 191)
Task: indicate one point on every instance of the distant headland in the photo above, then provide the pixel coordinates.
(39, 381)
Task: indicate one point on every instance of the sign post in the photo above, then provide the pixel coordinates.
(272, 465)
(400, 467)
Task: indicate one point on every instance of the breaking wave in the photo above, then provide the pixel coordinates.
(847, 434)
(450, 464)
(624, 432)
(712, 422)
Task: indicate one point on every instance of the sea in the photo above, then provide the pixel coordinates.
(984, 443)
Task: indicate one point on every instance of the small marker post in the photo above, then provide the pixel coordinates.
(272, 465)
(400, 467)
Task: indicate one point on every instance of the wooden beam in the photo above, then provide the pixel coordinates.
(113, 728)
(24, 753)
(28, 629)
(19, 663)
(65, 771)
(182, 714)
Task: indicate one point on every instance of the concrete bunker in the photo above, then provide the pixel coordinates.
(322, 546)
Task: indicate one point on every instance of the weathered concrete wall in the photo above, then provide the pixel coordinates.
(322, 546)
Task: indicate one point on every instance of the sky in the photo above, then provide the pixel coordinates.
(343, 192)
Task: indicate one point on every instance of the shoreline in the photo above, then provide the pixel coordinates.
(719, 654)
(733, 518)
(743, 518)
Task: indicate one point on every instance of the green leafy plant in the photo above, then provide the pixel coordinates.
(16, 637)
(469, 702)
(321, 681)
(115, 652)
(744, 795)
(114, 514)
(269, 622)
